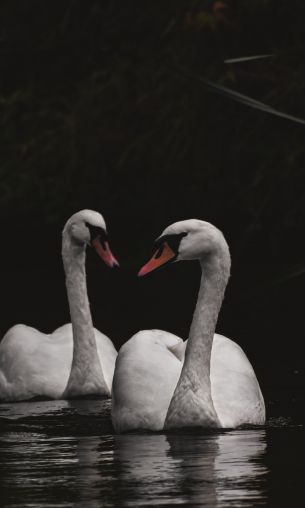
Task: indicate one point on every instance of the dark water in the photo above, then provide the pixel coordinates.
(65, 454)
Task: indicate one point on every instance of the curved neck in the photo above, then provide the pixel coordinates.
(86, 376)
(192, 403)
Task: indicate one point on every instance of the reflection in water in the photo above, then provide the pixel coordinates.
(240, 472)
(56, 408)
(66, 459)
(32, 409)
(203, 470)
(145, 472)
(35, 469)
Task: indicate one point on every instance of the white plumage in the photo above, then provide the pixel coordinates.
(76, 359)
(162, 382)
(35, 364)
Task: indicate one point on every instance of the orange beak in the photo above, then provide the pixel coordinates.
(104, 252)
(156, 261)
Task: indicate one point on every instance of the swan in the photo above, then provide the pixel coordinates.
(76, 360)
(161, 382)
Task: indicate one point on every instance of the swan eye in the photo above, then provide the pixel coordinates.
(159, 251)
(97, 232)
(173, 241)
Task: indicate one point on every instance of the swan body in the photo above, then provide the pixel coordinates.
(155, 358)
(76, 360)
(35, 364)
(161, 382)
(145, 378)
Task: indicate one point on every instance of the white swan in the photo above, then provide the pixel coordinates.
(75, 360)
(161, 382)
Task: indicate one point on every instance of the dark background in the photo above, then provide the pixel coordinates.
(96, 112)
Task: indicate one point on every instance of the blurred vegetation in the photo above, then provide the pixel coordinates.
(96, 112)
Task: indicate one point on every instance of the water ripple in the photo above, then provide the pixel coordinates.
(65, 454)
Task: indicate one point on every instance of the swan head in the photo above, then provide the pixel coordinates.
(186, 240)
(88, 227)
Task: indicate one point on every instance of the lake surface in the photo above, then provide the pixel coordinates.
(65, 454)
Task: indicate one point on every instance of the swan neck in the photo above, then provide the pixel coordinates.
(193, 394)
(74, 258)
(211, 292)
(86, 370)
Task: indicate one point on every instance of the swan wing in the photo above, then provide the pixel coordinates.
(34, 364)
(107, 356)
(236, 392)
(145, 377)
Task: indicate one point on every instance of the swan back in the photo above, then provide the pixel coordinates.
(145, 377)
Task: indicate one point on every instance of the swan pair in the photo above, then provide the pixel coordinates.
(159, 381)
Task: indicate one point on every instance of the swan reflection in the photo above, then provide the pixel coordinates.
(205, 470)
(71, 458)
